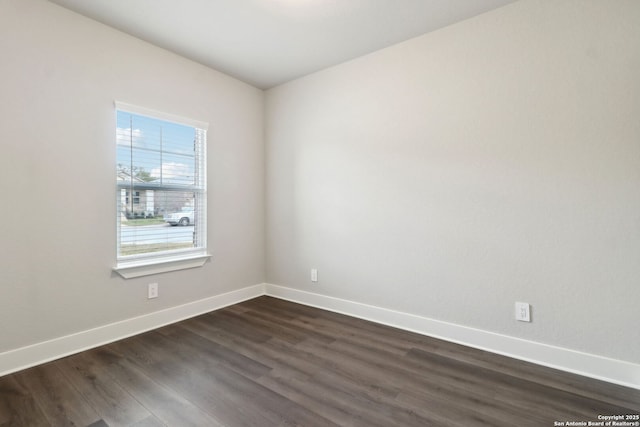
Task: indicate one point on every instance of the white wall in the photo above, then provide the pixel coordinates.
(493, 161)
(59, 76)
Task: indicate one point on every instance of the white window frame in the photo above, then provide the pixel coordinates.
(159, 262)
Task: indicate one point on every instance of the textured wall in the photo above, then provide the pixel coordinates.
(493, 161)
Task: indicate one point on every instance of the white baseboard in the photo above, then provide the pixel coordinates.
(32, 355)
(589, 365)
(598, 367)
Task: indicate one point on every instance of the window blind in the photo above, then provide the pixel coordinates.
(160, 186)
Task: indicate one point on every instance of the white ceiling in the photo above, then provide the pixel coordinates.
(268, 42)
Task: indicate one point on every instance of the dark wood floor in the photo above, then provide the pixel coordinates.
(268, 362)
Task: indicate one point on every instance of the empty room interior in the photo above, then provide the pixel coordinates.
(312, 212)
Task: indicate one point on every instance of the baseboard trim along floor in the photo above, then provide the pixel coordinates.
(36, 354)
(589, 365)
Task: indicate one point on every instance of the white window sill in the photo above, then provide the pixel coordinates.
(130, 270)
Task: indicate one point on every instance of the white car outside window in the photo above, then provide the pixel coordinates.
(183, 218)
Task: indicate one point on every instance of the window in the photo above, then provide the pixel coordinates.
(161, 192)
(136, 197)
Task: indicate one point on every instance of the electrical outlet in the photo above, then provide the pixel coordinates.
(314, 275)
(523, 312)
(152, 291)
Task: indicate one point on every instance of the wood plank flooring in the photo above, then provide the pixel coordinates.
(268, 362)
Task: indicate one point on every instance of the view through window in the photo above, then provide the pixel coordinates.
(161, 187)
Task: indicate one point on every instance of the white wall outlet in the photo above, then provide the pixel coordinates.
(523, 312)
(152, 290)
(314, 275)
